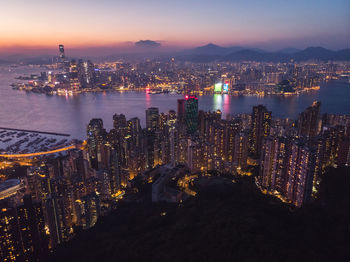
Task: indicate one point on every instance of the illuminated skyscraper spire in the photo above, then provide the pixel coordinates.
(62, 55)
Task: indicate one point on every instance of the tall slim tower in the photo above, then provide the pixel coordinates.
(62, 55)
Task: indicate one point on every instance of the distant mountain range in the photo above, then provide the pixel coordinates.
(211, 52)
(289, 50)
(212, 49)
(202, 54)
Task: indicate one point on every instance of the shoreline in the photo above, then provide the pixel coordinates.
(235, 94)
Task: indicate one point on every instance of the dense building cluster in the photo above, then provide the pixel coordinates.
(170, 75)
(293, 162)
(63, 194)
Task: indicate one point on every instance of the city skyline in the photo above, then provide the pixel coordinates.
(117, 25)
(181, 130)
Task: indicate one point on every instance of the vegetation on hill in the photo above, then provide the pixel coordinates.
(226, 221)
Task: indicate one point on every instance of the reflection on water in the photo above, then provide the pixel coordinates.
(148, 100)
(217, 102)
(226, 107)
(71, 114)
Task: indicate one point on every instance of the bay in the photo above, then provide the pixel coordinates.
(25, 110)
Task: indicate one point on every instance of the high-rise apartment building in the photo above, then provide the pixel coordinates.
(152, 118)
(74, 76)
(309, 124)
(260, 128)
(181, 111)
(95, 132)
(191, 114)
(287, 169)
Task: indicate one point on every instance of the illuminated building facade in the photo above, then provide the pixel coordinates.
(287, 169)
(344, 153)
(10, 240)
(32, 229)
(309, 124)
(95, 133)
(260, 128)
(88, 209)
(22, 236)
(218, 88)
(74, 77)
(81, 185)
(299, 172)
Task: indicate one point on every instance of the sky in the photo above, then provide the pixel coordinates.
(269, 24)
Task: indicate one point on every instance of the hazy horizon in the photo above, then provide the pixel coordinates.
(100, 51)
(38, 26)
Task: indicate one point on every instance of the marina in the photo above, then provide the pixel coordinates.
(14, 141)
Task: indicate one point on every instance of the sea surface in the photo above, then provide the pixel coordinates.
(71, 114)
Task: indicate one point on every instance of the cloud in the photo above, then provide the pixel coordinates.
(147, 44)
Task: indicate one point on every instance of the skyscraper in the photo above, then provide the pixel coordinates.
(308, 124)
(299, 174)
(191, 114)
(10, 239)
(32, 228)
(74, 76)
(181, 110)
(61, 51)
(287, 168)
(56, 218)
(86, 73)
(88, 210)
(344, 153)
(240, 153)
(260, 128)
(94, 136)
(273, 163)
(63, 63)
(119, 121)
(89, 73)
(152, 118)
(22, 235)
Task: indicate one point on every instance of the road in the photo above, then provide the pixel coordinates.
(38, 153)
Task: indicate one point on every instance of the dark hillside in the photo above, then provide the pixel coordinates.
(226, 222)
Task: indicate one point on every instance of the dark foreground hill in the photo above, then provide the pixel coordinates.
(225, 222)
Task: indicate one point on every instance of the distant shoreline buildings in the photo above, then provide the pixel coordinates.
(70, 77)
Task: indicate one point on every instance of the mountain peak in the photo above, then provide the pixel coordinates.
(316, 48)
(210, 45)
